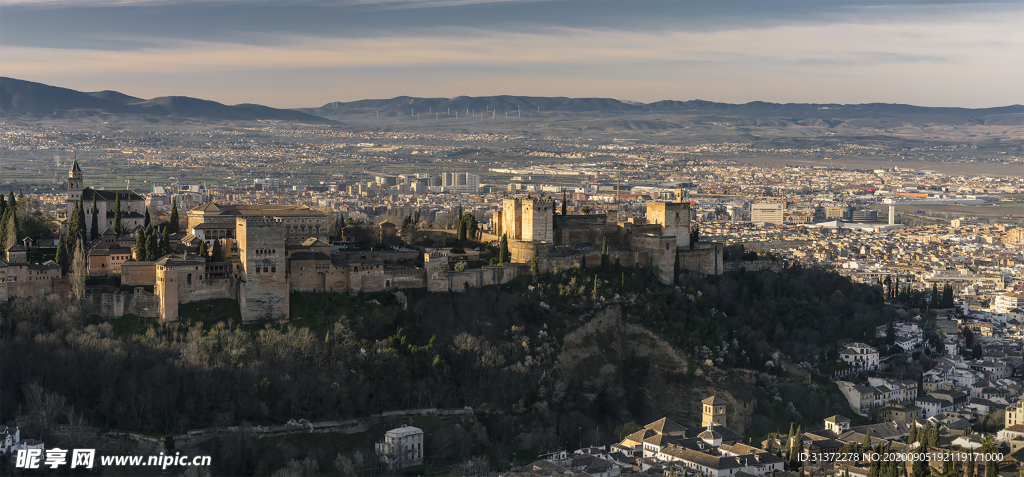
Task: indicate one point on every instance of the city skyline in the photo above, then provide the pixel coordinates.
(305, 54)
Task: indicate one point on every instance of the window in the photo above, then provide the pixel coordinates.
(189, 279)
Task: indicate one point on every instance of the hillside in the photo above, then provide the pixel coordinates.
(834, 114)
(536, 360)
(26, 99)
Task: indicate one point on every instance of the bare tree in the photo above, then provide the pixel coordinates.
(78, 272)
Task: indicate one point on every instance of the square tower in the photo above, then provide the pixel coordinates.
(538, 220)
(713, 411)
(674, 218)
(512, 218)
(263, 288)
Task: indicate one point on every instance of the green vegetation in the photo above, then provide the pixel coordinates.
(498, 349)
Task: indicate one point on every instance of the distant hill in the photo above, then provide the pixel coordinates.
(20, 98)
(793, 112)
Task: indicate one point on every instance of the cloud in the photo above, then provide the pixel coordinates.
(953, 58)
(341, 3)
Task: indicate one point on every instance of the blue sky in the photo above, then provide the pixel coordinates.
(307, 53)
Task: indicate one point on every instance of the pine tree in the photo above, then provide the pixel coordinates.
(217, 255)
(174, 216)
(117, 216)
(95, 232)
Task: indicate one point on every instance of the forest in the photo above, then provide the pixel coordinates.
(493, 349)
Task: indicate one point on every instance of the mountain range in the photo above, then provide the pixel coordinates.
(26, 99)
(20, 98)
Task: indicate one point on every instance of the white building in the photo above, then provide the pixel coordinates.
(766, 214)
(860, 356)
(1008, 301)
(401, 447)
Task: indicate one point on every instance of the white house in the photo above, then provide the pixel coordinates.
(860, 356)
(401, 447)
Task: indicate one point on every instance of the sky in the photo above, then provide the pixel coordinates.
(305, 53)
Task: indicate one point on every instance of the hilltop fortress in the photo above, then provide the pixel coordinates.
(660, 241)
(270, 251)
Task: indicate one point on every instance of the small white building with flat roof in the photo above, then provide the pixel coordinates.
(401, 447)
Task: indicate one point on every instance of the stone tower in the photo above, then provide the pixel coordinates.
(75, 184)
(674, 217)
(713, 411)
(436, 264)
(263, 287)
(538, 220)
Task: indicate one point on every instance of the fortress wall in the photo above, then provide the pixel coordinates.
(138, 273)
(705, 258)
(662, 251)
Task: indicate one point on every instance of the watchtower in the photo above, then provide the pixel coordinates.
(263, 288)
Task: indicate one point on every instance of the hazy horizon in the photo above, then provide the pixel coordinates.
(309, 53)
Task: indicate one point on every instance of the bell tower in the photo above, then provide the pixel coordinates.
(713, 411)
(75, 183)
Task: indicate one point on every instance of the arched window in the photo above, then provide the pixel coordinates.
(188, 279)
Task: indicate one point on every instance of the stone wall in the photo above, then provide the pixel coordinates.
(138, 273)
(116, 305)
(25, 289)
(705, 258)
(754, 265)
(661, 251)
(382, 255)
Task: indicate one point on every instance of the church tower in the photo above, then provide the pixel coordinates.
(713, 411)
(75, 184)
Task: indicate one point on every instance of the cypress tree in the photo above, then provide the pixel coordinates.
(95, 232)
(62, 254)
(117, 216)
(604, 253)
(217, 255)
(141, 246)
(563, 202)
(165, 241)
(146, 223)
(3, 205)
(174, 216)
(503, 254)
(204, 251)
(76, 228)
(152, 247)
(913, 431)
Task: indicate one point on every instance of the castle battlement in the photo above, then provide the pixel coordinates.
(261, 221)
